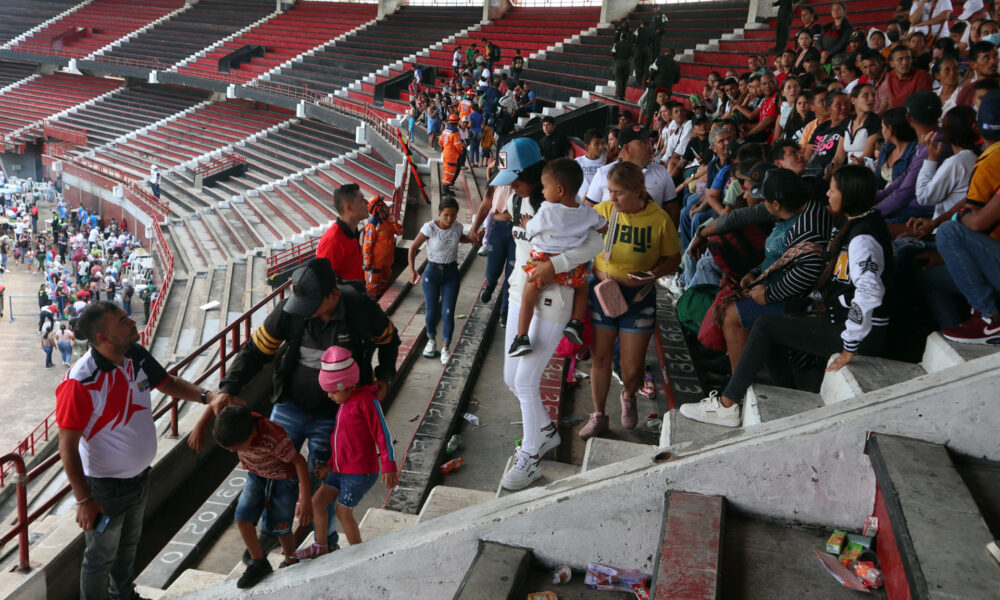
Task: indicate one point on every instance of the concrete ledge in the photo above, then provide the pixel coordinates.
(497, 572)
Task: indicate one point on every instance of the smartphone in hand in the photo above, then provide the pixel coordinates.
(642, 276)
(101, 523)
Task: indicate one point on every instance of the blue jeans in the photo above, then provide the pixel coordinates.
(704, 271)
(127, 306)
(684, 229)
(474, 139)
(66, 351)
(501, 247)
(301, 426)
(269, 501)
(109, 556)
(48, 355)
(973, 260)
(440, 284)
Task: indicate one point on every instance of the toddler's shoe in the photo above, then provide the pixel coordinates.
(574, 331)
(520, 346)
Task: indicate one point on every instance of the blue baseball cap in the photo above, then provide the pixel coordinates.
(514, 158)
(988, 119)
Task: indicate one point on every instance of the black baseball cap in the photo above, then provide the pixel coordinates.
(756, 178)
(700, 118)
(633, 132)
(311, 283)
(780, 185)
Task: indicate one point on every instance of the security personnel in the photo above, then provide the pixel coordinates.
(465, 105)
(451, 150)
(663, 73)
(643, 43)
(621, 51)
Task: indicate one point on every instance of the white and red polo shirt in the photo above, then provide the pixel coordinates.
(110, 404)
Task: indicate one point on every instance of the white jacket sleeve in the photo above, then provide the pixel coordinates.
(867, 263)
(932, 186)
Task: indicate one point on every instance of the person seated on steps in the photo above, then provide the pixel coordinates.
(560, 224)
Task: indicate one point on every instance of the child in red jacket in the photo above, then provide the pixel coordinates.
(354, 463)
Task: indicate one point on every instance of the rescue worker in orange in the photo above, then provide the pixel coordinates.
(465, 105)
(378, 247)
(451, 150)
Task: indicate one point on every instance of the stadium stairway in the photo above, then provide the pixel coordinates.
(94, 26)
(285, 36)
(725, 516)
(20, 18)
(371, 48)
(186, 32)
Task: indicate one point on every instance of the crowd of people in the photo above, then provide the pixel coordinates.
(842, 200)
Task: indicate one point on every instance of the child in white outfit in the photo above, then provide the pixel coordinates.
(560, 224)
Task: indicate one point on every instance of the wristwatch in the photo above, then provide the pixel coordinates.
(204, 396)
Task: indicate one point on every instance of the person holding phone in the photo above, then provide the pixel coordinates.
(641, 241)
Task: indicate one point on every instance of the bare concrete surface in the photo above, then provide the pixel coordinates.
(28, 393)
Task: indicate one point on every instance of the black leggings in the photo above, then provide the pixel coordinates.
(772, 337)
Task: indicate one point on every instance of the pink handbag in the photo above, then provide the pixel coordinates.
(610, 297)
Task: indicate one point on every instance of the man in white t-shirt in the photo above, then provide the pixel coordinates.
(592, 161)
(637, 149)
(678, 140)
(930, 17)
(107, 440)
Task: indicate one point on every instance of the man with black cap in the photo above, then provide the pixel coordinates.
(899, 199)
(322, 311)
(637, 148)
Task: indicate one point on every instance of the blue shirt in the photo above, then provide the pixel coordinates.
(719, 182)
(477, 121)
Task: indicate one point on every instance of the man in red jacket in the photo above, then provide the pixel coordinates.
(341, 244)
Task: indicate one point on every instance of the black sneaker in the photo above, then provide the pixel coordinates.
(616, 371)
(486, 295)
(520, 346)
(257, 569)
(574, 331)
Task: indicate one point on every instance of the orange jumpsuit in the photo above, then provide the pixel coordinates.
(464, 108)
(451, 151)
(378, 247)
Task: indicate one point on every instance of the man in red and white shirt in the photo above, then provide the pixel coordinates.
(766, 114)
(341, 243)
(107, 440)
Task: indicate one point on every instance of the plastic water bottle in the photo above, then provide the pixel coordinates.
(453, 444)
(451, 465)
(471, 418)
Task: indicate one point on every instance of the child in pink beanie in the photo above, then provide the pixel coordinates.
(354, 463)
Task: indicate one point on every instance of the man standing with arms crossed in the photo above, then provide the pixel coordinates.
(107, 441)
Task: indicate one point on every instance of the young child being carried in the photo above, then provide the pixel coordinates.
(560, 224)
(278, 477)
(354, 462)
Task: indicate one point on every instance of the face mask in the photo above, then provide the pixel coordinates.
(893, 36)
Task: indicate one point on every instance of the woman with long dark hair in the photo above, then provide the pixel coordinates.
(853, 285)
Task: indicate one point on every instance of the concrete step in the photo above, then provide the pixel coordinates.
(379, 521)
(192, 580)
(552, 471)
(444, 499)
(865, 374)
(941, 353)
(497, 572)
(939, 533)
(687, 567)
(600, 452)
(681, 432)
(765, 403)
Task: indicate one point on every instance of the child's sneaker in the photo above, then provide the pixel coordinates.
(524, 471)
(710, 410)
(258, 569)
(430, 349)
(445, 355)
(520, 346)
(574, 331)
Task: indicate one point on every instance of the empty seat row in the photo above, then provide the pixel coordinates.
(46, 95)
(18, 16)
(12, 71)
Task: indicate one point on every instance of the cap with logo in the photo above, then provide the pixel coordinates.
(633, 132)
(311, 283)
(988, 119)
(756, 178)
(514, 158)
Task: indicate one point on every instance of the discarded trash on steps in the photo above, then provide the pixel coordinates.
(546, 595)
(856, 565)
(453, 444)
(603, 577)
(471, 418)
(562, 575)
(451, 465)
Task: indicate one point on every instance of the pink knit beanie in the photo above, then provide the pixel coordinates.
(337, 370)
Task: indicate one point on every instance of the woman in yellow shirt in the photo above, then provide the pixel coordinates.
(644, 247)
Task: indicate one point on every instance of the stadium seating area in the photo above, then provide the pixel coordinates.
(400, 34)
(188, 32)
(19, 16)
(128, 110)
(94, 26)
(45, 95)
(13, 71)
(297, 30)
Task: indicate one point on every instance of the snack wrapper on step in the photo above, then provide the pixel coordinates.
(603, 577)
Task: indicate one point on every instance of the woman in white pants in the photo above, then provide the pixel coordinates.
(521, 168)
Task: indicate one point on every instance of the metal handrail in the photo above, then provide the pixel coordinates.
(21, 529)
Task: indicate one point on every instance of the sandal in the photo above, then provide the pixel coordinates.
(288, 562)
(312, 551)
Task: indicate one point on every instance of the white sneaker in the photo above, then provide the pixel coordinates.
(445, 355)
(710, 410)
(484, 250)
(523, 473)
(430, 349)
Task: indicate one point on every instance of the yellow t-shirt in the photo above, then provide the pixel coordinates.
(985, 177)
(641, 240)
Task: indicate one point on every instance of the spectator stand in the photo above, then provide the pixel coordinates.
(224, 166)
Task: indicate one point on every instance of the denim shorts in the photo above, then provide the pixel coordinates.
(749, 311)
(271, 501)
(640, 316)
(352, 487)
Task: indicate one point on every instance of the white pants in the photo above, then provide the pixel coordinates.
(523, 374)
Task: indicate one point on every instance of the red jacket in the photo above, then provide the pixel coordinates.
(361, 428)
(343, 249)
